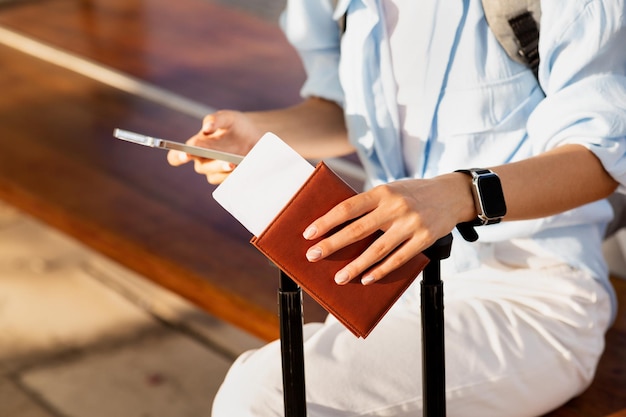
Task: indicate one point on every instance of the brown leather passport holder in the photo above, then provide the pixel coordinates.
(359, 307)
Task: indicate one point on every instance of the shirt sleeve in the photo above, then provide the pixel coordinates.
(583, 73)
(310, 27)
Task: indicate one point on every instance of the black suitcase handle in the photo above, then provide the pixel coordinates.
(433, 347)
(433, 353)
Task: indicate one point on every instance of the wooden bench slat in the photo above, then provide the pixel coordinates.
(217, 55)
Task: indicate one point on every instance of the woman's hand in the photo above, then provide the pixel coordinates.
(315, 128)
(227, 131)
(412, 214)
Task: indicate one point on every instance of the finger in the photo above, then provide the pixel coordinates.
(176, 158)
(212, 166)
(215, 171)
(343, 212)
(215, 140)
(378, 253)
(217, 178)
(400, 256)
(216, 122)
(208, 125)
(350, 233)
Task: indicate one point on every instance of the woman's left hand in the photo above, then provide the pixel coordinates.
(412, 214)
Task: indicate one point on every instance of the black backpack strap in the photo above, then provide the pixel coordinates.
(515, 24)
(527, 33)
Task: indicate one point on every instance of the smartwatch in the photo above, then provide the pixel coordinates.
(488, 198)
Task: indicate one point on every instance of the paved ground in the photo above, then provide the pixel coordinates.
(79, 336)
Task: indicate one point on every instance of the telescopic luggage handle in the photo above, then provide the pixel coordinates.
(433, 353)
(291, 345)
(433, 347)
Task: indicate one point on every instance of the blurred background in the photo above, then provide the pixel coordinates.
(86, 224)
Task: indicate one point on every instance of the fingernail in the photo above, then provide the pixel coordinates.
(227, 167)
(310, 232)
(207, 127)
(314, 254)
(367, 279)
(183, 157)
(342, 277)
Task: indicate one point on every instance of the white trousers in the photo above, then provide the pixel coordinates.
(519, 342)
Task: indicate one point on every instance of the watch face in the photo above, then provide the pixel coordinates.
(492, 198)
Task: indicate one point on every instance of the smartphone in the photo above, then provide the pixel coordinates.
(177, 146)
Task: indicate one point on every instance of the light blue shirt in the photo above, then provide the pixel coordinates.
(478, 107)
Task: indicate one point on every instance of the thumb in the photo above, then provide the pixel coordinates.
(220, 120)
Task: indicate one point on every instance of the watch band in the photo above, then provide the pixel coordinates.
(467, 231)
(485, 204)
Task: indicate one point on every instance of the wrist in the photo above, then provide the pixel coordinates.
(463, 199)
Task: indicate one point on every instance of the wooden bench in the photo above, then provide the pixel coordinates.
(59, 162)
